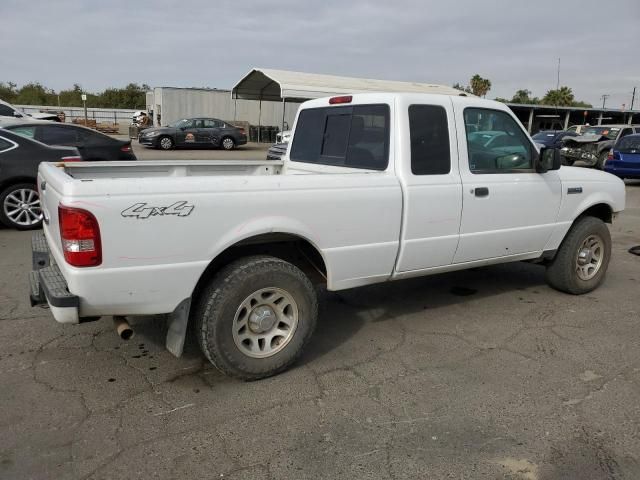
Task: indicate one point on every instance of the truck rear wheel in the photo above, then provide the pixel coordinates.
(581, 262)
(255, 317)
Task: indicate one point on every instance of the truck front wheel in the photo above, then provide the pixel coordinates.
(255, 317)
(581, 262)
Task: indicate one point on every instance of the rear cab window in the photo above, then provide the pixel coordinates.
(348, 136)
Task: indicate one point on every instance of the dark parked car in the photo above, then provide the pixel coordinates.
(194, 133)
(92, 145)
(553, 138)
(19, 160)
(624, 158)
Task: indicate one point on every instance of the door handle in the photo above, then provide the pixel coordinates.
(481, 192)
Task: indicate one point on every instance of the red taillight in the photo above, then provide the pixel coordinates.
(241, 130)
(344, 99)
(80, 235)
(71, 159)
(610, 155)
(125, 148)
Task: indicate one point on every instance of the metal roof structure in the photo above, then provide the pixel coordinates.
(278, 85)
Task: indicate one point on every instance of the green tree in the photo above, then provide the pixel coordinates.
(562, 97)
(480, 86)
(8, 92)
(524, 96)
(34, 94)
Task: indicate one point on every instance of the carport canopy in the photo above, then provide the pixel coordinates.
(278, 85)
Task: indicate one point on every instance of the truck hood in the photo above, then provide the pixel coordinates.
(585, 139)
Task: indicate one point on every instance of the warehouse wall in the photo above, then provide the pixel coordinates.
(177, 103)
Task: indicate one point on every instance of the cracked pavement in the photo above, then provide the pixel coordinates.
(486, 373)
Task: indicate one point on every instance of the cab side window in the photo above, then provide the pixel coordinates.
(495, 142)
(429, 134)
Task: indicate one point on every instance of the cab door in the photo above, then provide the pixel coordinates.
(508, 208)
(209, 134)
(431, 185)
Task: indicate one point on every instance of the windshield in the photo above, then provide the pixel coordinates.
(630, 144)
(610, 133)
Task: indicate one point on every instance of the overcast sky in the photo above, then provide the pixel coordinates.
(213, 43)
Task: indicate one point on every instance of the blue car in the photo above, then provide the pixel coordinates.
(624, 158)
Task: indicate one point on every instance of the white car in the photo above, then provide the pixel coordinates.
(283, 137)
(374, 187)
(10, 115)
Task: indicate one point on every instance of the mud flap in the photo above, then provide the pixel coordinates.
(177, 332)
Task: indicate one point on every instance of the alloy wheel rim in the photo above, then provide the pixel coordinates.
(265, 322)
(590, 257)
(165, 143)
(227, 143)
(22, 207)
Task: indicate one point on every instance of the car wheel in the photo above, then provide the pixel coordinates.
(20, 207)
(165, 143)
(601, 159)
(228, 143)
(582, 260)
(255, 317)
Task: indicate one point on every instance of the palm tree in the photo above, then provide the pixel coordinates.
(562, 97)
(480, 86)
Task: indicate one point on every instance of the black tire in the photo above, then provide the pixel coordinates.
(7, 202)
(227, 143)
(222, 299)
(562, 272)
(165, 142)
(568, 162)
(602, 157)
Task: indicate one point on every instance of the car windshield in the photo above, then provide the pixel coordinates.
(544, 135)
(627, 144)
(609, 132)
(180, 123)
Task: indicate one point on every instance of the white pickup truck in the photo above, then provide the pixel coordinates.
(374, 187)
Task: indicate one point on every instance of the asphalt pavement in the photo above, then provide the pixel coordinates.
(487, 373)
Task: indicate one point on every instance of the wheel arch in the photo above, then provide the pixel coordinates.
(600, 210)
(291, 247)
(16, 180)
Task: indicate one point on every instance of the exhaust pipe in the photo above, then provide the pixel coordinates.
(124, 330)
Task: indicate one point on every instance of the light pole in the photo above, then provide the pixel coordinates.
(604, 100)
(84, 103)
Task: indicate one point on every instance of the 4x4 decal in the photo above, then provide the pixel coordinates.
(142, 211)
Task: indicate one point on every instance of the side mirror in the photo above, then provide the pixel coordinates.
(548, 159)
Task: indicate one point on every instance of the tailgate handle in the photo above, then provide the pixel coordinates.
(481, 192)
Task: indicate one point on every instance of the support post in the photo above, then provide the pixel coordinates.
(260, 121)
(566, 119)
(530, 123)
(284, 107)
(600, 117)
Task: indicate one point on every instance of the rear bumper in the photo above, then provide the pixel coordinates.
(48, 286)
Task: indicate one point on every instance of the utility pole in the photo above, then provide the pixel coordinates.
(558, 84)
(604, 99)
(633, 97)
